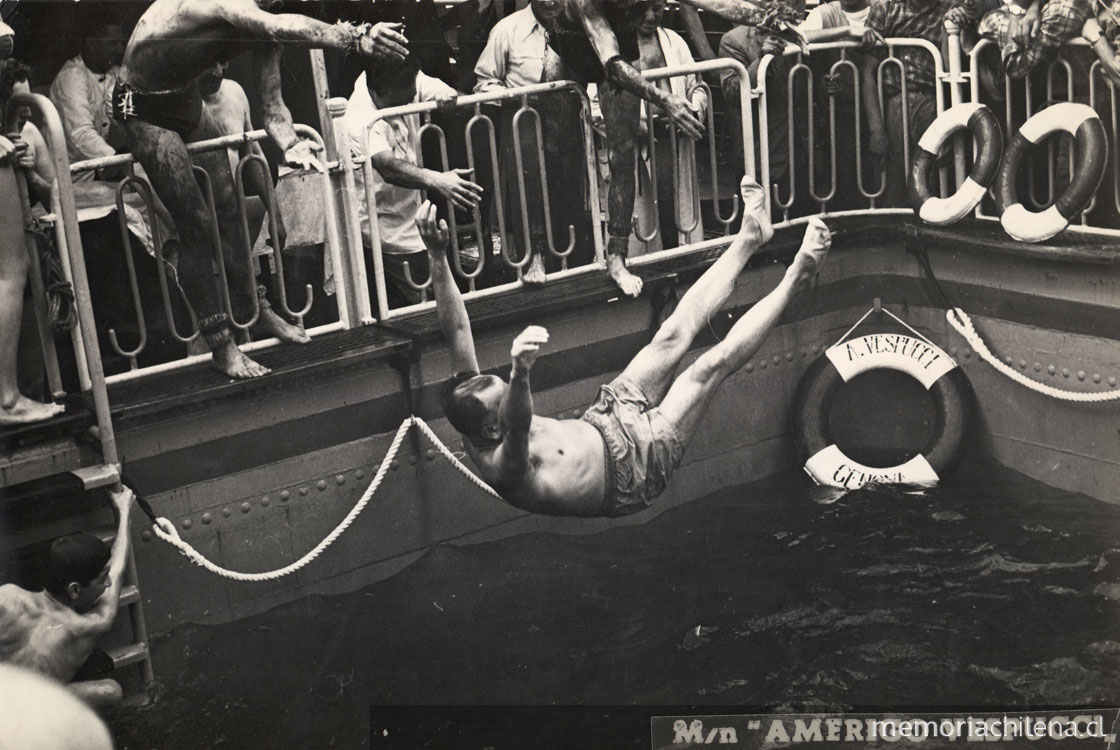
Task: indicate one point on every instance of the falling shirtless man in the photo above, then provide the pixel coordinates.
(596, 41)
(620, 455)
(158, 103)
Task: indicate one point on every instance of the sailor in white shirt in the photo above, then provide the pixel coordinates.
(82, 93)
(514, 54)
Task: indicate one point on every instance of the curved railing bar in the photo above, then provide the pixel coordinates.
(134, 286)
(207, 187)
(522, 190)
(279, 285)
(821, 199)
(547, 205)
(476, 212)
(674, 146)
(652, 158)
(452, 224)
(68, 210)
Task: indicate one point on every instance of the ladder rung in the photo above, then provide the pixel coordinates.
(101, 475)
(129, 595)
(122, 656)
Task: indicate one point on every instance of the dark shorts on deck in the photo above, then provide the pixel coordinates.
(179, 111)
(642, 447)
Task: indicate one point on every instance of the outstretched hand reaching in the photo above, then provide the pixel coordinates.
(526, 347)
(302, 154)
(434, 233)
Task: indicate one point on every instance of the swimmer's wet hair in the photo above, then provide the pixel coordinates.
(463, 409)
(79, 557)
(383, 76)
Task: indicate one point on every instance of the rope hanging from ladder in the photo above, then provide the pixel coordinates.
(959, 319)
(166, 531)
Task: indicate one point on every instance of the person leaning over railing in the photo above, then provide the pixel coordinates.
(514, 56)
(916, 19)
(1103, 32)
(23, 150)
(676, 214)
(398, 178)
(748, 45)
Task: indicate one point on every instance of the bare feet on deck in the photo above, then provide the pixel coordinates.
(25, 411)
(234, 362)
(630, 284)
(534, 274)
(754, 209)
(271, 324)
(814, 249)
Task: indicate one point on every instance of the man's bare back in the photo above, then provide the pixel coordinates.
(41, 634)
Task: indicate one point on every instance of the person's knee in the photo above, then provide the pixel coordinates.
(673, 334)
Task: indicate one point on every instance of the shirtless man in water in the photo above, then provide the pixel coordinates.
(158, 103)
(54, 631)
(620, 455)
(596, 41)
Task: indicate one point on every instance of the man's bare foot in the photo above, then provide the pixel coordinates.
(814, 249)
(534, 274)
(25, 411)
(630, 284)
(271, 324)
(234, 362)
(754, 208)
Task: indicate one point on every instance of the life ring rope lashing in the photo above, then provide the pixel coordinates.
(927, 363)
(986, 132)
(1082, 122)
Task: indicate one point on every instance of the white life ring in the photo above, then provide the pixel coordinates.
(987, 135)
(930, 365)
(1080, 121)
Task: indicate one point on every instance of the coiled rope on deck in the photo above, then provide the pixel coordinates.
(959, 319)
(166, 530)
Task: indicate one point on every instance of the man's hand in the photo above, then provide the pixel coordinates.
(122, 500)
(871, 38)
(958, 16)
(384, 41)
(25, 155)
(526, 347)
(685, 116)
(454, 186)
(1028, 26)
(434, 234)
(7, 150)
(772, 45)
(302, 154)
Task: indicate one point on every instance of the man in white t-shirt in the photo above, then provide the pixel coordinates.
(398, 178)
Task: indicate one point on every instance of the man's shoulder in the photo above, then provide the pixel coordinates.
(15, 600)
(70, 69)
(512, 22)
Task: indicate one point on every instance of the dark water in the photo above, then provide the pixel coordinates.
(996, 592)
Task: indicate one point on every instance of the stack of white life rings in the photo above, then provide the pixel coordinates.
(1079, 120)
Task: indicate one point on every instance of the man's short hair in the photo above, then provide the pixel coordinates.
(79, 557)
(15, 71)
(383, 76)
(463, 409)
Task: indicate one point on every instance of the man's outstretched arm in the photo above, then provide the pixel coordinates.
(516, 411)
(382, 40)
(298, 152)
(452, 313)
(105, 610)
(626, 77)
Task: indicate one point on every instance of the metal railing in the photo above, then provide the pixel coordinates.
(830, 151)
(171, 294)
(84, 335)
